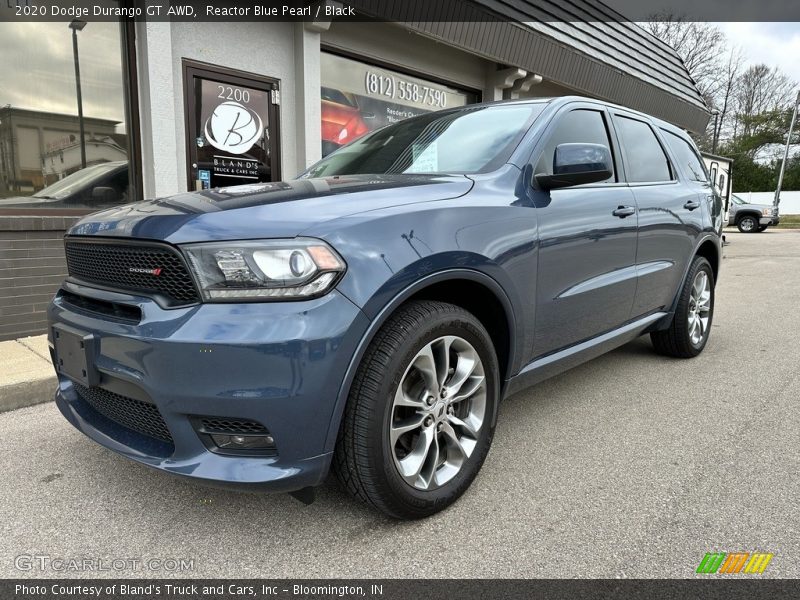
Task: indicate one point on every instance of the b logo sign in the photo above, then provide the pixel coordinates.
(233, 128)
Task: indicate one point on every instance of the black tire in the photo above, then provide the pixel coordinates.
(675, 340)
(363, 459)
(762, 228)
(747, 224)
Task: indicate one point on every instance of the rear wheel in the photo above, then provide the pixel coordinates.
(419, 419)
(688, 333)
(747, 224)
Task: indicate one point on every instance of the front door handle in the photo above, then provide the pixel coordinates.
(692, 204)
(624, 211)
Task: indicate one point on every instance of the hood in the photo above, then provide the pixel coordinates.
(26, 202)
(280, 209)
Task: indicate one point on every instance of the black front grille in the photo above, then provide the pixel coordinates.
(149, 269)
(139, 416)
(233, 426)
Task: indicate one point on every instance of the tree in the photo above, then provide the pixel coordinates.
(726, 94)
(791, 179)
(752, 105)
(703, 49)
(761, 94)
(701, 46)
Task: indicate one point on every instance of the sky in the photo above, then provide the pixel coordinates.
(774, 44)
(37, 69)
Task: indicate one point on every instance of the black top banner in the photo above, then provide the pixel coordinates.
(399, 10)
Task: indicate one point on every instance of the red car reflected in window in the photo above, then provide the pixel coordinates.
(342, 119)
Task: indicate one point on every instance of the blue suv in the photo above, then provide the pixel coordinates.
(370, 315)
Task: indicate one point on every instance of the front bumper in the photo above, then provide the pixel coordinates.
(769, 221)
(280, 364)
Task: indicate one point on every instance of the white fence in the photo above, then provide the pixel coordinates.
(790, 201)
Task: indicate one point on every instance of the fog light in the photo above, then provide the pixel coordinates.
(243, 442)
(233, 436)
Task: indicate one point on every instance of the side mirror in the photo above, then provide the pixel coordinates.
(576, 164)
(104, 195)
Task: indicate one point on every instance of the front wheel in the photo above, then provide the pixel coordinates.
(419, 420)
(688, 332)
(747, 224)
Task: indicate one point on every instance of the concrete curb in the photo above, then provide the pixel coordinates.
(27, 394)
(26, 375)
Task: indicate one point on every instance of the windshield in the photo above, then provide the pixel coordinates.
(737, 200)
(469, 140)
(79, 179)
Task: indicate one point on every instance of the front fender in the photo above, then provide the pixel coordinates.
(380, 310)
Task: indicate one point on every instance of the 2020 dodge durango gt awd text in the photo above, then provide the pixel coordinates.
(369, 315)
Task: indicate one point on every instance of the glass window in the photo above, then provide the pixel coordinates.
(646, 160)
(687, 158)
(358, 97)
(44, 160)
(469, 140)
(578, 126)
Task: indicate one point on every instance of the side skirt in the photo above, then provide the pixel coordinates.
(563, 360)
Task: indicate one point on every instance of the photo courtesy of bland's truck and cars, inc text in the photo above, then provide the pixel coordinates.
(377, 299)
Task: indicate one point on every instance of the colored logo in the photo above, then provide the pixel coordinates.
(233, 128)
(153, 272)
(734, 562)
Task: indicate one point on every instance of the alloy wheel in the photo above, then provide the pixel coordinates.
(699, 307)
(437, 412)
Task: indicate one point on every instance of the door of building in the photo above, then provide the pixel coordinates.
(232, 127)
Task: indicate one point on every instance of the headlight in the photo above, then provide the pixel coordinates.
(767, 212)
(266, 269)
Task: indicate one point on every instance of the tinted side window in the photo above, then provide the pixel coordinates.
(686, 157)
(646, 158)
(578, 126)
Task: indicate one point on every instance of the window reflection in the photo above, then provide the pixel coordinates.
(41, 162)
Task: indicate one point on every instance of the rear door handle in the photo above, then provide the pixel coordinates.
(692, 204)
(624, 211)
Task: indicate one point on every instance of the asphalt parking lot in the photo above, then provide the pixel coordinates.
(631, 465)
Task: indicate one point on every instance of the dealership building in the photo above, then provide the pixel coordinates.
(189, 106)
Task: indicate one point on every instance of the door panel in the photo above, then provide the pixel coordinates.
(667, 232)
(587, 276)
(670, 221)
(669, 212)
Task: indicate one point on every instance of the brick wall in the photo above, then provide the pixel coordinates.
(31, 268)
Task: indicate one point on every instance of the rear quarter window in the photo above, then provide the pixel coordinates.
(686, 157)
(645, 158)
